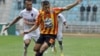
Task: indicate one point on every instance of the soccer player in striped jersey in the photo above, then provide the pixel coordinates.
(48, 23)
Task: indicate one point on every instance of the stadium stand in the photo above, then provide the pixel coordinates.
(5, 11)
(72, 16)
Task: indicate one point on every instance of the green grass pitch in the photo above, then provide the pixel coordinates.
(73, 46)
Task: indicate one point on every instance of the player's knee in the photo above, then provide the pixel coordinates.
(27, 42)
(35, 49)
(44, 47)
(60, 42)
(26, 46)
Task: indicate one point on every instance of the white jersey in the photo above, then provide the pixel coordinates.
(31, 17)
(61, 20)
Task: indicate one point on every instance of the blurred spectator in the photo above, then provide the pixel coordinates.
(88, 12)
(34, 1)
(19, 4)
(94, 12)
(24, 4)
(82, 10)
(0, 1)
(3, 1)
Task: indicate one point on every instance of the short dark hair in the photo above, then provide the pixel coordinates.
(45, 2)
(29, 0)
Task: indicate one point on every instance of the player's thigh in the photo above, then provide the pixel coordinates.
(50, 39)
(39, 42)
(37, 47)
(59, 37)
(44, 47)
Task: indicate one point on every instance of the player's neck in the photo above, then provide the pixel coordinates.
(29, 9)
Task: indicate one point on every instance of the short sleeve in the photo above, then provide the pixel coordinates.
(58, 9)
(38, 20)
(21, 14)
(62, 18)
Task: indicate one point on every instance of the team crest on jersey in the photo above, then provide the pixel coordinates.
(32, 14)
(48, 23)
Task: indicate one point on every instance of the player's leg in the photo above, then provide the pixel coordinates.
(60, 38)
(37, 48)
(53, 48)
(42, 49)
(35, 37)
(60, 45)
(49, 41)
(27, 40)
(38, 45)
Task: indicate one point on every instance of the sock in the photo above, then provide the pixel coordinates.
(25, 49)
(61, 47)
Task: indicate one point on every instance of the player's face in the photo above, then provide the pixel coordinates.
(46, 8)
(28, 5)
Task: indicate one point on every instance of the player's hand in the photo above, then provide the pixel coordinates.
(23, 33)
(26, 32)
(6, 28)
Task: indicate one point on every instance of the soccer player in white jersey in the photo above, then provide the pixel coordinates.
(61, 22)
(29, 15)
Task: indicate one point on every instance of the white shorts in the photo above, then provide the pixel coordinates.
(32, 35)
(59, 37)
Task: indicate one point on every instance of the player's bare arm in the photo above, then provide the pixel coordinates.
(13, 22)
(72, 5)
(32, 29)
(29, 23)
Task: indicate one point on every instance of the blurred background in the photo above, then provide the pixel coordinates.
(83, 25)
(84, 18)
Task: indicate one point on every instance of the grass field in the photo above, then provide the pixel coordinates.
(73, 46)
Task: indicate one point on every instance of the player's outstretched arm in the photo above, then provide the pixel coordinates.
(13, 22)
(72, 5)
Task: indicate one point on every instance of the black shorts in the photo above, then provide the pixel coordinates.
(48, 38)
